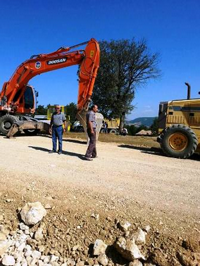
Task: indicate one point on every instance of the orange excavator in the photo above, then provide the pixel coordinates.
(17, 98)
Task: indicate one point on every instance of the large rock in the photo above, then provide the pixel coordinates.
(32, 213)
(128, 249)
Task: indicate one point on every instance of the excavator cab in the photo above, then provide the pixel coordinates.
(29, 98)
(26, 100)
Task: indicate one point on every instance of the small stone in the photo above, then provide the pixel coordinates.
(36, 254)
(135, 263)
(28, 253)
(70, 262)
(8, 260)
(80, 263)
(40, 263)
(9, 200)
(29, 259)
(41, 248)
(99, 247)
(24, 263)
(124, 226)
(102, 259)
(23, 227)
(4, 245)
(53, 258)
(39, 234)
(2, 236)
(140, 237)
(27, 248)
(147, 228)
(18, 257)
(46, 259)
(47, 206)
(95, 216)
(21, 247)
(75, 247)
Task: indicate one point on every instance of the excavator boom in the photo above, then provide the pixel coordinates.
(13, 91)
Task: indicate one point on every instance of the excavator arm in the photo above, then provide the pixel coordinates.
(88, 60)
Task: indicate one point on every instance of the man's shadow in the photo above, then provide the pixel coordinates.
(76, 141)
(80, 156)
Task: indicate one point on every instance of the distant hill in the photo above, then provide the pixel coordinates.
(145, 121)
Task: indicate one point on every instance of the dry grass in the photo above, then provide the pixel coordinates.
(140, 141)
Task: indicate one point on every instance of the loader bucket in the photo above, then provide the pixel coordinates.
(81, 116)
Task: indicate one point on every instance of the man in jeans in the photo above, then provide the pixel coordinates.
(56, 128)
(91, 130)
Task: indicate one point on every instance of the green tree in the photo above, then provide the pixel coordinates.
(132, 130)
(71, 111)
(41, 110)
(124, 66)
(142, 127)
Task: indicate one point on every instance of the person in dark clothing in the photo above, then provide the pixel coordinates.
(91, 131)
(106, 127)
(56, 128)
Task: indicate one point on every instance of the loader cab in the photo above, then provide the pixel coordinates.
(162, 115)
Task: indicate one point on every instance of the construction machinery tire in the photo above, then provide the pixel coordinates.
(31, 132)
(6, 123)
(113, 131)
(178, 141)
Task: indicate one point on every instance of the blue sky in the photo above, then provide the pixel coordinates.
(171, 28)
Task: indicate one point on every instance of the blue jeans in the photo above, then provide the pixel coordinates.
(57, 133)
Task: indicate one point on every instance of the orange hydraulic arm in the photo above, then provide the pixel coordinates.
(87, 59)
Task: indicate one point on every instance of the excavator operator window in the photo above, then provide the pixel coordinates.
(29, 98)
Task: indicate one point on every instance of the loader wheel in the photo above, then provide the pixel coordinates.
(178, 141)
(31, 132)
(6, 122)
(113, 131)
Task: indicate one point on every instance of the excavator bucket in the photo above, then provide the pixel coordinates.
(29, 126)
(81, 116)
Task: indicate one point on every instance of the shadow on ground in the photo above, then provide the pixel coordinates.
(155, 151)
(80, 156)
(76, 141)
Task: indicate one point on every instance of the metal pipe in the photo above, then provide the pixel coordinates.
(188, 90)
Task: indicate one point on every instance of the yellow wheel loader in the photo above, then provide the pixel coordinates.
(179, 127)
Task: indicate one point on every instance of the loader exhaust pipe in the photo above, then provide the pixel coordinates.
(188, 90)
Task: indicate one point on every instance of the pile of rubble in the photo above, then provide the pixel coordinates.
(26, 247)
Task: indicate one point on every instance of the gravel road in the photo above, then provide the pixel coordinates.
(137, 182)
